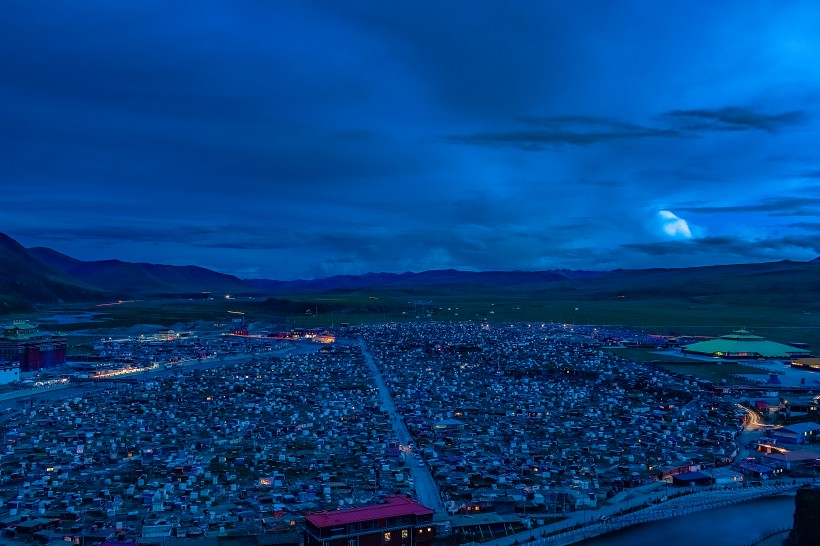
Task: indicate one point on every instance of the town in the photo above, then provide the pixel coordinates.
(464, 431)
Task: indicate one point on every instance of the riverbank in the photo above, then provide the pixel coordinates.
(741, 524)
(646, 508)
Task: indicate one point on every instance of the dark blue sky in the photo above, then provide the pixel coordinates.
(307, 138)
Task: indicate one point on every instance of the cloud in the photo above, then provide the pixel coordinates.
(733, 118)
(227, 135)
(775, 206)
(578, 130)
(674, 226)
(707, 249)
(562, 130)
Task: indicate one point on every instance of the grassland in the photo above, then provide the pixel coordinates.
(661, 315)
(711, 370)
(780, 301)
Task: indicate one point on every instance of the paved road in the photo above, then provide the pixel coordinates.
(79, 389)
(426, 489)
(753, 431)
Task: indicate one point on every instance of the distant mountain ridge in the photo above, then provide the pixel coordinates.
(770, 283)
(43, 275)
(440, 277)
(25, 280)
(142, 278)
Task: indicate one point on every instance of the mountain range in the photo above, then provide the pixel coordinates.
(24, 280)
(141, 278)
(42, 275)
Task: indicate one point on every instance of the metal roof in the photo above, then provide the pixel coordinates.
(800, 428)
(393, 506)
(742, 342)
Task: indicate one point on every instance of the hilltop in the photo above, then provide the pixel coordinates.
(142, 278)
(24, 280)
(784, 293)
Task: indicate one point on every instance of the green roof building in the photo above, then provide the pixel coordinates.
(742, 344)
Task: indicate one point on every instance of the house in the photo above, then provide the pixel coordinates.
(797, 433)
(32, 526)
(448, 424)
(789, 460)
(689, 478)
(754, 469)
(9, 372)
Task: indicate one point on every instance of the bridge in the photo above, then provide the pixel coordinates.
(573, 530)
(680, 506)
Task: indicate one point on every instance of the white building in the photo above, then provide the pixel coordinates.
(9, 372)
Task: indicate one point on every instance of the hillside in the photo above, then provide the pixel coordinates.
(42, 275)
(774, 283)
(24, 280)
(143, 278)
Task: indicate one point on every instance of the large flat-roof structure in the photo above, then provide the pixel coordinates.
(742, 344)
(399, 521)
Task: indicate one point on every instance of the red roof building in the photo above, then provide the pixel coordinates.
(399, 521)
(21, 342)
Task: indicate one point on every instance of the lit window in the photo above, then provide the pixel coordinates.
(387, 537)
(404, 533)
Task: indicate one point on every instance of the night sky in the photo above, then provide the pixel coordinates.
(301, 139)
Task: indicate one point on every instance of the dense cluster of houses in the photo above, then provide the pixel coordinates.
(511, 420)
(170, 347)
(236, 449)
(540, 418)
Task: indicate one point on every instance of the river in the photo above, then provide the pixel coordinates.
(735, 525)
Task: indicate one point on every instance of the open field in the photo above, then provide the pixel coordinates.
(784, 323)
(703, 369)
(714, 372)
(646, 354)
(764, 314)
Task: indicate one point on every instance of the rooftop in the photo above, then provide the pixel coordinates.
(800, 428)
(742, 343)
(792, 456)
(393, 506)
(19, 325)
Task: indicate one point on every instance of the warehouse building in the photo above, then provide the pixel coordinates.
(741, 344)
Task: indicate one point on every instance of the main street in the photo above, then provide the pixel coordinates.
(425, 486)
(752, 431)
(13, 399)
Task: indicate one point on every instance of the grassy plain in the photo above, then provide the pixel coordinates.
(689, 302)
(662, 315)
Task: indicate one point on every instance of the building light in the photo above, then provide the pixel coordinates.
(387, 537)
(404, 533)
